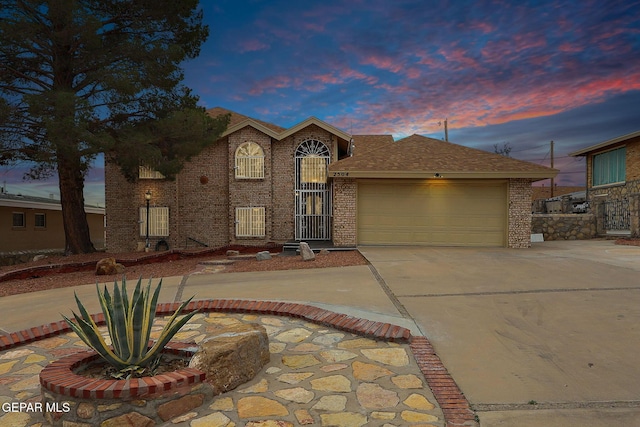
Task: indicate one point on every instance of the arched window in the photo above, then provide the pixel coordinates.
(249, 161)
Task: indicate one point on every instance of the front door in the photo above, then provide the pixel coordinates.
(313, 193)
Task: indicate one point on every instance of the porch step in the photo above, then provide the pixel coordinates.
(293, 248)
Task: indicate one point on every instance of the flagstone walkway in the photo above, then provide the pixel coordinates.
(317, 376)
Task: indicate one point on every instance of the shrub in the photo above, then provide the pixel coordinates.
(129, 322)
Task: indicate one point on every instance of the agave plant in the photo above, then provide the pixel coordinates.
(129, 322)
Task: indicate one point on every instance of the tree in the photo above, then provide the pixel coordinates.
(82, 77)
(504, 151)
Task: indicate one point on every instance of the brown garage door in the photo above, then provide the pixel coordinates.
(433, 212)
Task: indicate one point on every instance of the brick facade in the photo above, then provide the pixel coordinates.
(519, 228)
(344, 212)
(203, 199)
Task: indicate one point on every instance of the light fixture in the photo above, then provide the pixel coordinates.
(437, 175)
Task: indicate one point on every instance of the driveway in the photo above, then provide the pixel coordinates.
(546, 336)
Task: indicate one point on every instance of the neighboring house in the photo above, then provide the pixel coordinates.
(613, 183)
(35, 223)
(261, 183)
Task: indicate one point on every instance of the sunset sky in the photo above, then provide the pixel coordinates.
(519, 72)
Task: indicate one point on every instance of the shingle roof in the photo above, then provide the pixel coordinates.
(366, 143)
(420, 156)
(238, 118)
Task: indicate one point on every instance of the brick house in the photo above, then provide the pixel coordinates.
(613, 184)
(261, 183)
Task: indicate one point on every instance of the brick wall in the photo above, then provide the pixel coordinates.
(203, 205)
(519, 231)
(203, 198)
(244, 193)
(345, 212)
(123, 201)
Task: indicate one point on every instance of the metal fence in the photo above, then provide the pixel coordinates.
(616, 215)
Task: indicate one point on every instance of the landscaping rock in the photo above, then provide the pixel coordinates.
(262, 256)
(305, 252)
(108, 266)
(324, 252)
(39, 257)
(233, 253)
(232, 356)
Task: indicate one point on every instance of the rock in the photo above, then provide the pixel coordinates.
(324, 252)
(233, 356)
(39, 257)
(233, 253)
(181, 406)
(108, 266)
(305, 252)
(262, 256)
(132, 419)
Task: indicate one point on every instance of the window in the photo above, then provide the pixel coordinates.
(609, 167)
(40, 220)
(19, 220)
(145, 172)
(314, 169)
(250, 222)
(158, 221)
(249, 161)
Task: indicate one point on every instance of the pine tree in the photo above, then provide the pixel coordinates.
(83, 77)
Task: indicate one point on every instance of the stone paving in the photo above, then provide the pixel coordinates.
(317, 376)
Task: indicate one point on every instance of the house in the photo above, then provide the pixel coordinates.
(613, 183)
(261, 183)
(30, 223)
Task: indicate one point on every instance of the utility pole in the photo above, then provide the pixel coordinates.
(446, 131)
(552, 184)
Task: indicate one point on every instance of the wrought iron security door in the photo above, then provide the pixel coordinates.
(313, 193)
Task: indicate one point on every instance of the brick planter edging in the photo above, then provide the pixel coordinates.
(60, 378)
(455, 407)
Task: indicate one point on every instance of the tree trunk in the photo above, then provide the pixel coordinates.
(76, 227)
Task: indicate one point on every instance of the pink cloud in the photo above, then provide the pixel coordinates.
(252, 45)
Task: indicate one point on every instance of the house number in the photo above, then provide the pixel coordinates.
(340, 174)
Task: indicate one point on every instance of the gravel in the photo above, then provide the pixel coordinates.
(162, 269)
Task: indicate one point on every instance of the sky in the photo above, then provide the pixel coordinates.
(521, 73)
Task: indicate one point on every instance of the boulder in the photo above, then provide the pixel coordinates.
(108, 266)
(305, 252)
(264, 255)
(232, 356)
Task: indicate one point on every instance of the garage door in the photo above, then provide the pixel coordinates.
(438, 213)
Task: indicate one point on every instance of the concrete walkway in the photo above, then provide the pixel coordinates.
(546, 336)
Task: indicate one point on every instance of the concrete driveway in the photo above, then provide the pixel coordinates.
(546, 336)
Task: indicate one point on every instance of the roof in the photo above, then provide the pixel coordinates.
(421, 157)
(237, 118)
(33, 202)
(239, 121)
(605, 144)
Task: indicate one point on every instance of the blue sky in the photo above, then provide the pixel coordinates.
(520, 72)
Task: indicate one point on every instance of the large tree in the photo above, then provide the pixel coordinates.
(82, 77)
